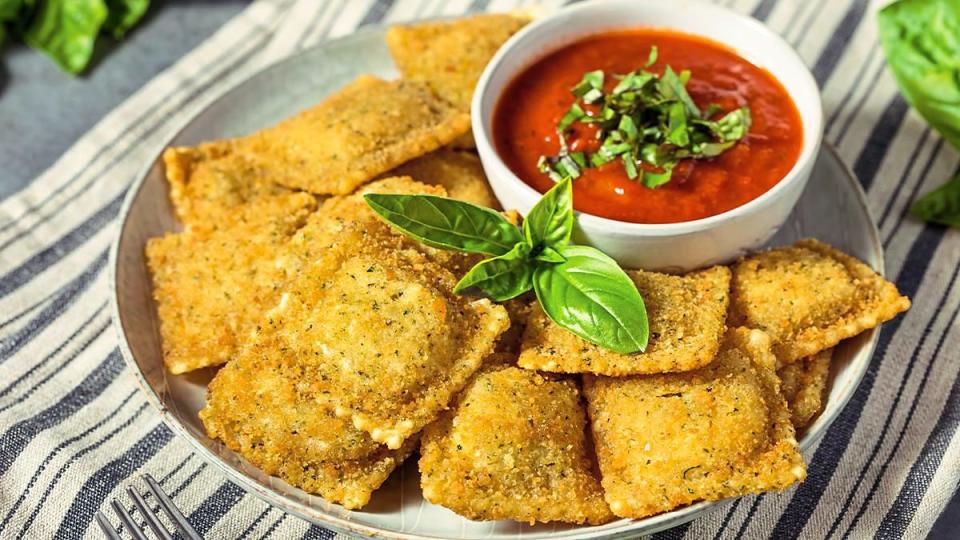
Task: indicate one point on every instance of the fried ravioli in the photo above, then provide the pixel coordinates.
(686, 316)
(366, 128)
(803, 384)
(209, 180)
(451, 55)
(664, 441)
(338, 211)
(264, 405)
(809, 296)
(380, 321)
(460, 173)
(213, 284)
(514, 447)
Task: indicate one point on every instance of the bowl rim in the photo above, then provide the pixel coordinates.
(811, 120)
(321, 517)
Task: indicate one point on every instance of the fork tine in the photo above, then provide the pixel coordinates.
(127, 520)
(172, 511)
(107, 527)
(149, 516)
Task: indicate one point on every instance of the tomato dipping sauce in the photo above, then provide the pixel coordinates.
(526, 116)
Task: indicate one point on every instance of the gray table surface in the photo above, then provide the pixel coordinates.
(43, 111)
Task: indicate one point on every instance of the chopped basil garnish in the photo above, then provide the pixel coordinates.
(647, 121)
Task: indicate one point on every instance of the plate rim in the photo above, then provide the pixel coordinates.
(651, 524)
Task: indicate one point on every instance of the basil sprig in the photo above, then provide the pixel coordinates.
(647, 121)
(579, 287)
(921, 43)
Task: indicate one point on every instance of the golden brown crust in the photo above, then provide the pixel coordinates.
(451, 55)
(514, 447)
(209, 180)
(809, 297)
(364, 129)
(212, 284)
(380, 320)
(339, 211)
(686, 316)
(264, 405)
(460, 174)
(803, 384)
(664, 441)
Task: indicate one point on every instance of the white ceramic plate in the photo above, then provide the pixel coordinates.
(832, 209)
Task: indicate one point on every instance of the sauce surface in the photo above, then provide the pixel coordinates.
(527, 113)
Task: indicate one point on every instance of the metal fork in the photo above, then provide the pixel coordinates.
(186, 531)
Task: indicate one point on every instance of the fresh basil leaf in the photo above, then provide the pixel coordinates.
(677, 125)
(673, 87)
(575, 113)
(500, 278)
(591, 296)
(652, 57)
(11, 10)
(647, 120)
(66, 30)
(629, 128)
(734, 125)
(550, 222)
(563, 167)
(653, 179)
(447, 223)
(630, 164)
(711, 110)
(921, 40)
(549, 255)
(123, 15)
(941, 205)
(590, 88)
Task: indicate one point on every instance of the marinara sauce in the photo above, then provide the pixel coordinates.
(527, 113)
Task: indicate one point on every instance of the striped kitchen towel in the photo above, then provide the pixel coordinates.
(74, 428)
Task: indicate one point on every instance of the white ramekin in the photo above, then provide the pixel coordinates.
(672, 246)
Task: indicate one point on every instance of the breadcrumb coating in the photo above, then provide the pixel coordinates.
(808, 297)
(264, 406)
(451, 55)
(460, 174)
(213, 284)
(803, 384)
(210, 179)
(381, 323)
(345, 210)
(515, 447)
(664, 441)
(364, 129)
(686, 315)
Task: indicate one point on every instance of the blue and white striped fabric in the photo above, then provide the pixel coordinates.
(74, 428)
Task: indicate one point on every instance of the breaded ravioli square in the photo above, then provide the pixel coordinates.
(686, 316)
(264, 406)
(810, 296)
(460, 174)
(213, 284)
(803, 384)
(451, 55)
(210, 179)
(515, 446)
(366, 128)
(347, 210)
(665, 441)
(381, 323)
